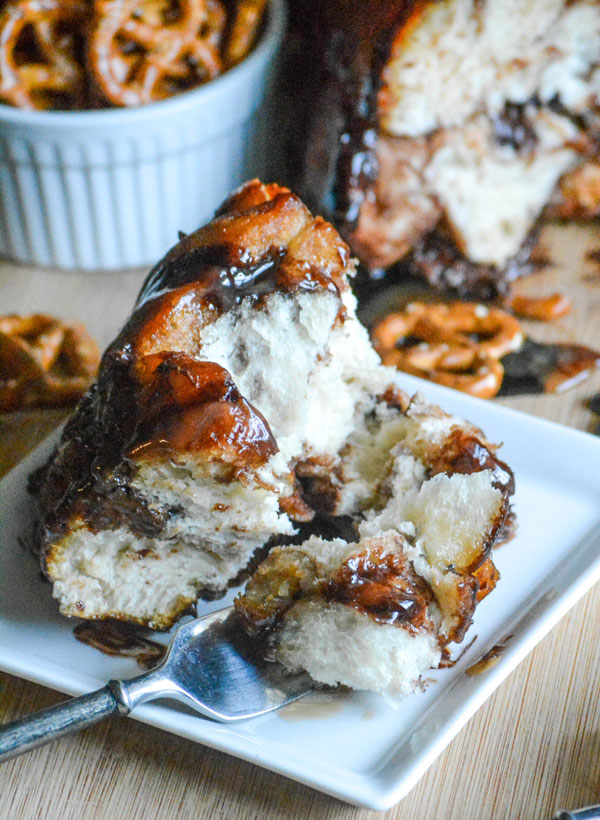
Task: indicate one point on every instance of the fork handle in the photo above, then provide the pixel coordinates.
(42, 727)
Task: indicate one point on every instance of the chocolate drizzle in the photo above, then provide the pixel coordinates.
(464, 453)
(437, 259)
(383, 585)
(341, 165)
(508, 530)
(153, 397)
(225, 281)
(121, 639)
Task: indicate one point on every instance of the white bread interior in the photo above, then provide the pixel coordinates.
(442, 150)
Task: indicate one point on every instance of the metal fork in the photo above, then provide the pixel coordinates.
(209, 666)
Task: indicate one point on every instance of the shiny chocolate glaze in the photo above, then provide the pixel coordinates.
(121, 639)
(192, 406)
(155, 400)
(437, 259)
(383, 585)
(508, 530)
(160, 407)
(351, 43)
(464, 453)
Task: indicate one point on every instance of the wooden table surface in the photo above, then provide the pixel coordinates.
(532, 748)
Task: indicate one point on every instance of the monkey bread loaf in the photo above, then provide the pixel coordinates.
(241, 400)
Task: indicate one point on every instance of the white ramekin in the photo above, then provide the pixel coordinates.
(99, 190)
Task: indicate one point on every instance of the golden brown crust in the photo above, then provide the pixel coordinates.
(262, 240)
(284, 576)
(487, 576)
(377, 580)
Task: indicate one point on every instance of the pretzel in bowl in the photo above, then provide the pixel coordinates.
(141, 51)
(244, 28)
(458, 345)
(44, 362)
(41, 45)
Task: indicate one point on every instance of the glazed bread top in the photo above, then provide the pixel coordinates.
(154, 398)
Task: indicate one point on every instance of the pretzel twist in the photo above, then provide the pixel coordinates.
(457, 345)
(44, 362)
(40, 41)
(142, 51)
(87, 53)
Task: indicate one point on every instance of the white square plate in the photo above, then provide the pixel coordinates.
(354, 746)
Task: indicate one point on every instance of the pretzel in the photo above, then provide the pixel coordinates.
(244, 29)
(142, 51)
(40, 42)
(435, 341)
(44, 362)
(543, 308)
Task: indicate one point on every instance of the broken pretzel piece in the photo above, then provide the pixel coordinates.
(44, 362)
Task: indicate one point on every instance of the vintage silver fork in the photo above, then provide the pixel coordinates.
(209, 666)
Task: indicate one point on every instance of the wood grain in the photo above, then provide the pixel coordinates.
(532, 748)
